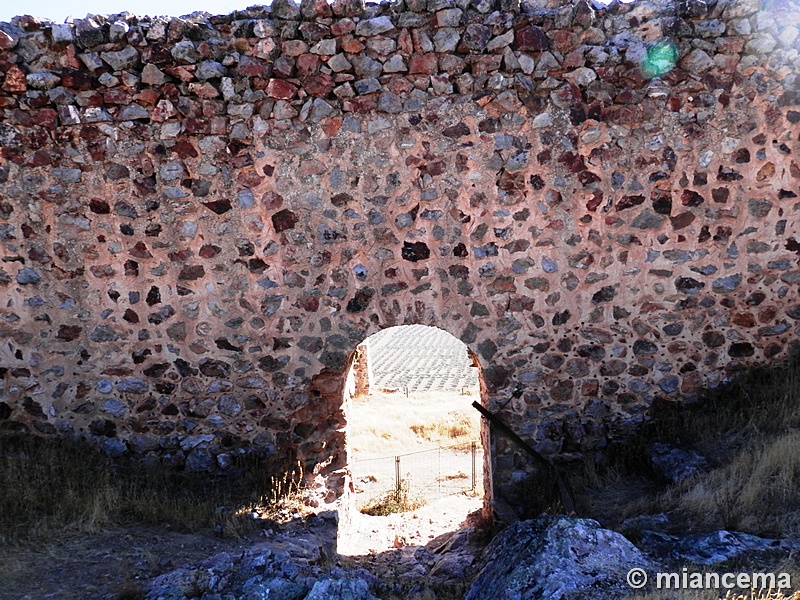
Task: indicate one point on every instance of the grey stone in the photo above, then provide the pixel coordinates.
(68, 176)
(200, 459)
(103, 333)
(285, 9)
(133, 112)
(449, 17)
(114, 447)
(339, 63)
(366, 66)
(483, 6)
(714, 548)
(141, 444)
(349, 587)
(185, 52)
(209, 69)
(501, 41)
(172, 170)
(114, 407)
(762, 43)
(89, 32)
(556, 557)
(326, 47)
(367, 86)
(127, 58)
(264, 28)
(446, 40)
(28, 276)
(376, 26)
(152, 75)
(395, 64)
(62, 33)
(727, 284)
(132, 385)
(549, 265)
(675, 464)
(390, 102)
(92, 60)
(697, 62)
(647, 219)
(476, 37)
(42, 81)
(229, 406)
(96, 114)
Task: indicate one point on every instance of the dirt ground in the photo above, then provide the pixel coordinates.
(374, 535)
(103, 565)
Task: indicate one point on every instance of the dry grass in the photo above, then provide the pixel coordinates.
(394, 501)
(749, 431)
(50, 489)
(384, 424)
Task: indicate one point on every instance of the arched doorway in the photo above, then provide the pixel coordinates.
(415, 443)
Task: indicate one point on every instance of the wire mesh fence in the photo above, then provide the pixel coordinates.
(430, 474)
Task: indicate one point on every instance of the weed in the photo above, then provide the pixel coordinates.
(130, 590)
(749, 430)
(53, 488)
(398, 500)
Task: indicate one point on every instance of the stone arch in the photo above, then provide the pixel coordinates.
(326, 456)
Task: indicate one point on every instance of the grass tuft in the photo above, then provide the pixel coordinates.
(748, 430)
(55, 488)
(394, 501)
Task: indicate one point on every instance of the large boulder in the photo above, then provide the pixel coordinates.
(557, 558)
(714, 548)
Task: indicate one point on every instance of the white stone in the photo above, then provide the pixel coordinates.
(542, 120)
(788, 36)
(526, 63)
(62, 33)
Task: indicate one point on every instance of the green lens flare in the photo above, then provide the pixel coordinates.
(661, 59)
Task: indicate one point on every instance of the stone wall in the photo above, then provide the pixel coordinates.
(201, 218)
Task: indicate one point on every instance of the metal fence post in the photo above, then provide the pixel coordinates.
(397, 488)
(474, 470)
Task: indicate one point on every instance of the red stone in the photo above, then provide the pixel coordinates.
(404, 43)
(15, 81)
(343, 27)
(307, 64)
(280, 89)
(351, 45)
(184, 149)
(562, 39)
(116, 96)
(426, 64)
(6, 41)
(249, 179)
(40, 158)
(194, 126)
(184, 73)
(319, 85)
(531, 38)
(46, 117)
(148, 97)
(250, 66)
(484, 65)
(203, 90)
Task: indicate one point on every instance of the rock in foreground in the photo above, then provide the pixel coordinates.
(557, 558)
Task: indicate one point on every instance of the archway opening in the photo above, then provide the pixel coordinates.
(415, 443)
